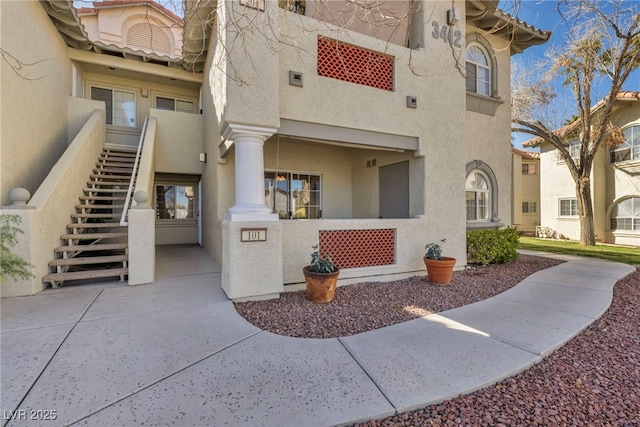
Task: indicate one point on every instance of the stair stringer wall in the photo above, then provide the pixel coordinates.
(46, 215)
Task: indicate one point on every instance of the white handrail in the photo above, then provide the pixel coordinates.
(125, 208)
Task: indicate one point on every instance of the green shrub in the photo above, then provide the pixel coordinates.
(11, 265)
(492, 246)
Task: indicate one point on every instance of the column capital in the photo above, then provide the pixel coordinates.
(234, 130)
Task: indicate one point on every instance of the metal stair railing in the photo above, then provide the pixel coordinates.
(127, 201)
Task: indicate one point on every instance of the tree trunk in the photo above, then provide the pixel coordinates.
(585, 210)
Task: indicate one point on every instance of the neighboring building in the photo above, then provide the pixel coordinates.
(526, 190)
(274, 130)
(615, 181)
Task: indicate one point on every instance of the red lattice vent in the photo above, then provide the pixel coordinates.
(354, 64)
(359, 248)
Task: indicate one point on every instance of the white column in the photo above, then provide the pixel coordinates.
(248, 142)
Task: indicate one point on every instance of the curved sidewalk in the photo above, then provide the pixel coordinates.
(177, 353)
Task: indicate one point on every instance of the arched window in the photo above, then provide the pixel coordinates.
(625, 215)
(478, 196)
(630, 149)
(478, 70)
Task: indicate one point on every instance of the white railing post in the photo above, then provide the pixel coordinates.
(127, 201)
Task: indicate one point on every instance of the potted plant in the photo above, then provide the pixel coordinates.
(321, 277)
(439, 268)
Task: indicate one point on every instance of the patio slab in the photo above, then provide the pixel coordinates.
(167, 293)
(45, 309)
(25, 354)
(105, 360)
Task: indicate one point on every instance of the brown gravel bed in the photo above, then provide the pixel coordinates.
(594, 380)
(371, 305)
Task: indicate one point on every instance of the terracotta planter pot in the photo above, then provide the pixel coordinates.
(440, 270)
(321, 287)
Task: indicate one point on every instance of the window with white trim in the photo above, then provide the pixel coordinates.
(528, 207)
(478, 71)
(175, 202)
(478, 196)
(529, 169)
(574, 152)
(174, 104)
(120, 105)
(630, 149)
(293, 195)
(568, 207)
(625, 215)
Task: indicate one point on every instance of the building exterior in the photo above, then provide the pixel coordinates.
(280, 126)
(615, 182)
(526, 190)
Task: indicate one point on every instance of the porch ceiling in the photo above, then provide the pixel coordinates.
(348, 137)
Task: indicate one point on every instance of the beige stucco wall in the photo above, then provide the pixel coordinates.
(622, 182)
(437, 170)
(526, 188)
(46, 215)
(178, 142)
(211, 212)
(31, 143)
(609, 185)
(145, 88)
(488, 138)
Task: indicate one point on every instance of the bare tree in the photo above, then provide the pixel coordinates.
(603, 48)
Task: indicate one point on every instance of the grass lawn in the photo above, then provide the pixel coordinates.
(614, 253)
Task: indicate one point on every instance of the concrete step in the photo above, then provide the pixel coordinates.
(103, 183)
(91, 248)
(120, 171)
(99, 207)
(108, 164)
(92, 236)
(96, 215)
(109, 151)
(95, 225)
(56, 278)
(121, 159)
(106, 190)
(105, 177)
(88, 260)
(103, 198)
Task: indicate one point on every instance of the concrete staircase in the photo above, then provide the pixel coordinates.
(95, 245)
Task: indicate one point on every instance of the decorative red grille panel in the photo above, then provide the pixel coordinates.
(354, 64)
(359, 248)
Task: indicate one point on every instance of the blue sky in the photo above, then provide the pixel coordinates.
(543, 15)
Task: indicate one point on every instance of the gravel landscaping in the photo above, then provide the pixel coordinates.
(594, 380)
(365, 306)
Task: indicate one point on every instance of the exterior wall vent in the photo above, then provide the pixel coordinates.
(295, 78)
(412, 101)
(354, 64)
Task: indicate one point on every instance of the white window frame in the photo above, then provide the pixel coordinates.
(171, 183)
(633, 146)
(574, 153)
(529, 207)
(477, 191)
(634, 220)
(289, 214)
(175, 100)
(573, 206)
(112, 108)
(477, 65)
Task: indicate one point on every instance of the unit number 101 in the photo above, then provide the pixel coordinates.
(446, 33)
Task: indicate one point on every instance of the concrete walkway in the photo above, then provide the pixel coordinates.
(177, 353)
